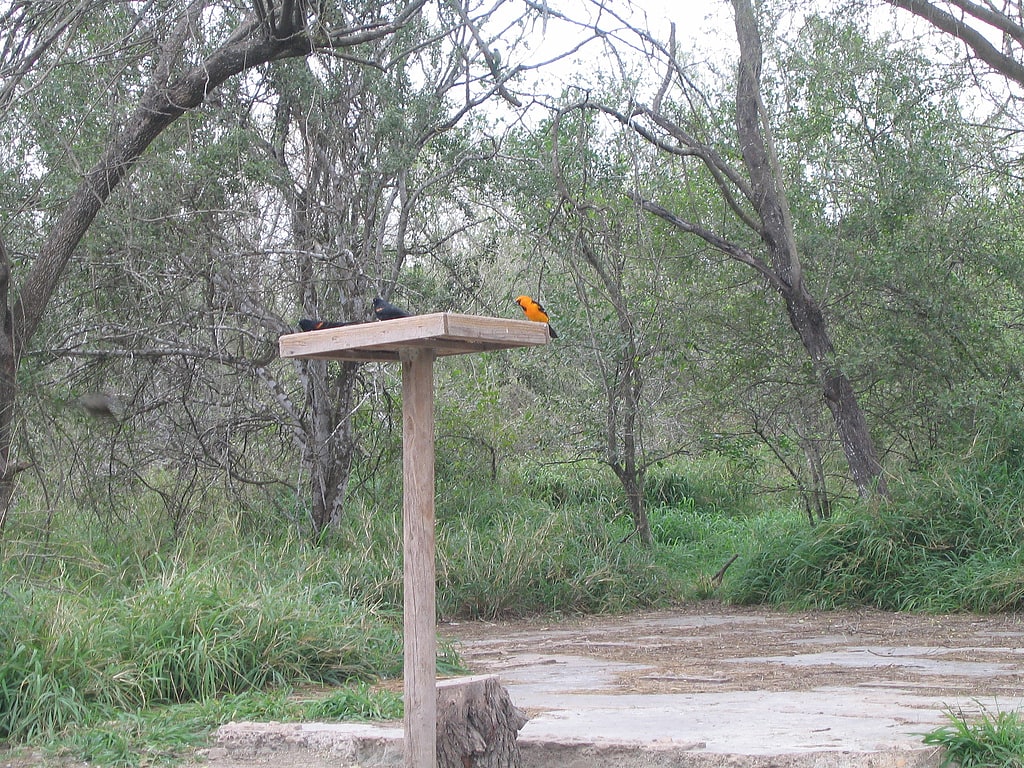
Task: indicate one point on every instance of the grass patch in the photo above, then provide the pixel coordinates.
(709, 484)
(68, 656)
(892, 560)
(361, 702)
(986, 741)
(947, 541)
(528, 558)
(570, 485)
(693, 545)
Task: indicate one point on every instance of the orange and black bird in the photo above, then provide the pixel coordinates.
(318, 325)
(534, 311)
(385, 310)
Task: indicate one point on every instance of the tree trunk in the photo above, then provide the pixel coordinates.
(767, 195)
(625, 396)
(633, 485)
(8, 390)
(330, 439)
(477, 724)
(624, 391)
(839, 395)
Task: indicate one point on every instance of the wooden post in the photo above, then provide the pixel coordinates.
(416, 341)
(418, 525)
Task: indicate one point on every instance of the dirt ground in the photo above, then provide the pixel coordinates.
(705, 647)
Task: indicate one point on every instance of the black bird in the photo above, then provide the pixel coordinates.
(387, 311)
(318, 325)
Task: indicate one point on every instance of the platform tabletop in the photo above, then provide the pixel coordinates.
(445, 333)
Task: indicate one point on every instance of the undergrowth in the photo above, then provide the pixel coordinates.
(184, 636)
(949, 539)
(99, 643)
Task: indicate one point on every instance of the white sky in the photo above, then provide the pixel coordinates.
(705, 27)
(701, 25)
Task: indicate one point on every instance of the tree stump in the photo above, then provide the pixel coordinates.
(477, 724)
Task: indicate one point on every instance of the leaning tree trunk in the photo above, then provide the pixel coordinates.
(768, 196)
(838, 393)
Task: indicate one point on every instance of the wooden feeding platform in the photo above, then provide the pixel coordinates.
(416, 342)
(442, 334)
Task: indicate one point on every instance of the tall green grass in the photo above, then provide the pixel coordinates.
(529, 558)
(501, 554)
(180, 636)
(895, 561)
(950, 539)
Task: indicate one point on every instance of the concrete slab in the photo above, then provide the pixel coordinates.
(706, 686)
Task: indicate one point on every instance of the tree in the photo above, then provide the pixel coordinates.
(899, 196)
(757, 198)
(619, 287)
(301, 188)
(381, 158)
(182, 76)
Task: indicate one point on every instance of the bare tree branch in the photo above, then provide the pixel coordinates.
(1001, 62)
(713, 239)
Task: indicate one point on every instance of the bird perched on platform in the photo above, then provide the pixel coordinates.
(534, 311)
(318, 325)
(385, 310)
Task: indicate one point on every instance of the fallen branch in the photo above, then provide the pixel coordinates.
(717, 578)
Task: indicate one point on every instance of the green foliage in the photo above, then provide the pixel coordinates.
(986, 741)
(221, 628)
(33, 700)
(678, 524)
(949, 540)
(902, 203)
(519, 556)
(713, 482)
(582, 483)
